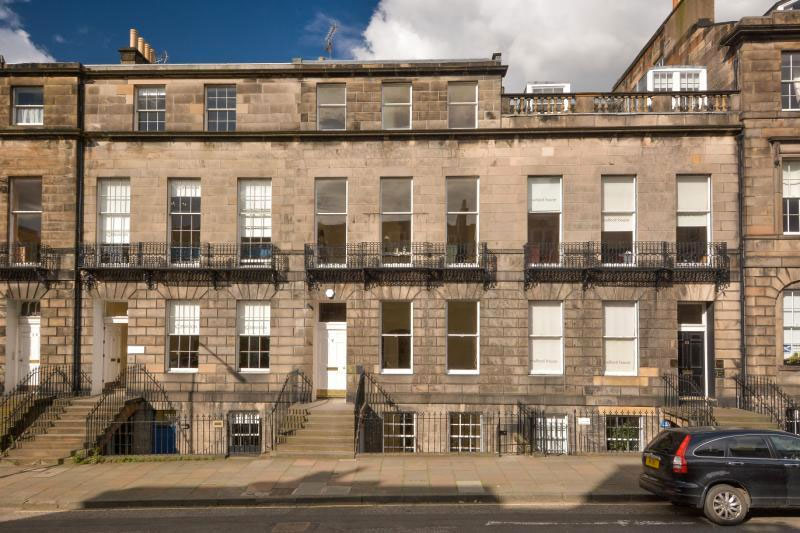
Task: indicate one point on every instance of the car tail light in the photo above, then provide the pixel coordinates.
(679, 465)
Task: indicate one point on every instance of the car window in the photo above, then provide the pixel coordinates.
(715, 448)
(667, 442)
(786, 447)
(749, 446)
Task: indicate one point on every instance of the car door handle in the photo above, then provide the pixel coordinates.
(734, 463)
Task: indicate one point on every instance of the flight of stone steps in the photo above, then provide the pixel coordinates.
(60, 438)
(327, 431)
(739, 418)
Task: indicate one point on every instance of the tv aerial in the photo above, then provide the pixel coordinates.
(329, 40)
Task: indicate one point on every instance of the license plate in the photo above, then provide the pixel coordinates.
(652, 462)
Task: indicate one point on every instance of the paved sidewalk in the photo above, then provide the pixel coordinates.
(285, 480)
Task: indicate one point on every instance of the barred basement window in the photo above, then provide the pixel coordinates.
(184, 335)
(28, 106)
(245, 432)
(623, 433)
(399, 433)
(221, 108)
(254, 332)
(151, 108)
(791, 197)
(465, 432)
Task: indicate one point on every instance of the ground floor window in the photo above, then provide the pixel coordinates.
(184, 335)
(791, 327)
(623, 433)
(465, 432)
(245, 432)
(399, 433)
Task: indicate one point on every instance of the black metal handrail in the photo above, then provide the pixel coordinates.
(762, 395)
(296, 389)
(637, 255)
(371, 401)
(134, 382)
(686, 401)
(397, 255)
(31, 398)
(163, 255)
(19, 255)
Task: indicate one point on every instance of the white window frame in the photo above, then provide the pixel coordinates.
(706, 212)
(557, 88)
(176, 182)
(460, 424)
(14, 212)
(344, 105)
(241, 328)
(477, 335)
(410, 335)
(786, 165)
(450, 104)
(24, 106)
(560, 210)
(634, 218)
(794, 105)
(139, 111)
(402, 435)
(104, 214)
(253, 215)
(317, 214)
(171, 322)
(477, 214)
(532, 337)
(675, 73)
(410, 215)
(635, 339)
(791, 5)
(790, 300)
(410, 104)
(640, 438)
(226, 109)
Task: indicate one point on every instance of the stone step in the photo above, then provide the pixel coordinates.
(321, 442)
(326, 433)
(315, 448)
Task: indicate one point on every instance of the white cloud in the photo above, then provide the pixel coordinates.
(59, 38)
(16, 45)
(586, 42)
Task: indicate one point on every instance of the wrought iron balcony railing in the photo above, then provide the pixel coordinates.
(27, 261)
(162, 261)
(639, 263)
(398, 263)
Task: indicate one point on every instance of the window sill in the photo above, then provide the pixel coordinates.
(182, 371)
(621, 375)
(397, 372)
(532, 375)
(789, 368)
(254, 370)
(463, 372)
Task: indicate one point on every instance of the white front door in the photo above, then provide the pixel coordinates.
(333, 357)
(27, 346)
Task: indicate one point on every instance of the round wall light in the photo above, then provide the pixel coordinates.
(329, 294)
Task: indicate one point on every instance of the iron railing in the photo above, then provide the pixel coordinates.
(370, 406)
(284, 420)
(19, 255)
(134, 382)
(525, 104)
(685, 401)
(30, 401)
(416, 255)
(160, 255)
(762, 395)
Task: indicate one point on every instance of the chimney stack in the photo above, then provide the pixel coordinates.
(138, 51)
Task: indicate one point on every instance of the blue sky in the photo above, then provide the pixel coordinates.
(587, 43)
(91, 31)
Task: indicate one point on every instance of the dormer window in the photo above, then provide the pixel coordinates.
(675, 79)
(547, 88)
(793, 5)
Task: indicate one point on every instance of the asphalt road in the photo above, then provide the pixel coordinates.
(651, 518)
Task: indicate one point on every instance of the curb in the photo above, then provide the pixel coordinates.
(372, 499)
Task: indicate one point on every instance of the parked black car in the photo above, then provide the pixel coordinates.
(726, 472)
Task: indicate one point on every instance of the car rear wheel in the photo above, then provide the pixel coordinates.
(726, 505)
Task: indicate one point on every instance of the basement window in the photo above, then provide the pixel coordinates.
(465, 432)
(28, 106)
(399, 435)
(623, 433)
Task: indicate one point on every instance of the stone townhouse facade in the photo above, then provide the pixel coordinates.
(468, 247)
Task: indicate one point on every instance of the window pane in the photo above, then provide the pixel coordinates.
(546, 356)
(544, 195)
(396, 352)
(332, 312)
(396, 117)
(27, 228)
(396, 317)
(395, 229)
(786, 447)
(546, 319)
(462, 195)
(617, 247)
(462, 353)
(693, 193)
(690, 313)
(619, 319)
(462, 317)
(331, 196)
(462, 92)
(692, 235)
(397, 93)
(620, 356)
(712, 449)
(461, 116)
(544, 228)
(26, 194)
(29, 96)
(331, 94)
(331, 230)
(619, 194)
(332, 118)
(749, 446)
(395, 195)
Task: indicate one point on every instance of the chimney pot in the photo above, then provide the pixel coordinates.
(675, 3)
(140, 45)
(146, 52)
(152, 55)
(134, 35)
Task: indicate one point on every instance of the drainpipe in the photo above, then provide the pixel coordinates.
(742, 253)
(76, 298)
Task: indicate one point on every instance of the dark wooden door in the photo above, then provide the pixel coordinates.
(692, 363)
